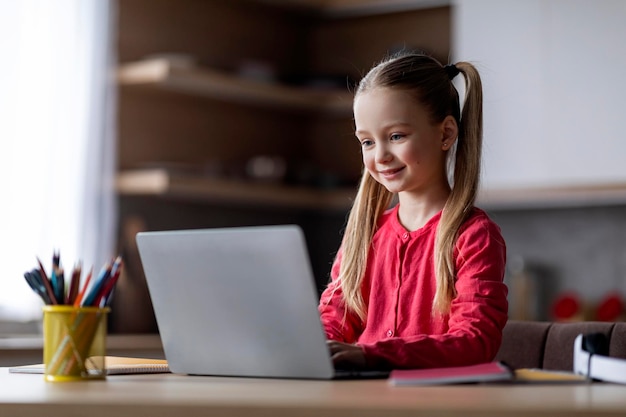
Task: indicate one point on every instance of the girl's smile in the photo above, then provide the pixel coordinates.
(391, 174)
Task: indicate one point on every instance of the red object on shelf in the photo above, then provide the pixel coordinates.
(567, 306)
(611, 308)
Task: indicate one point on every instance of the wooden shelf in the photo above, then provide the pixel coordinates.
(162, 183)
(349, 8)
(553, 197)
(168, 75)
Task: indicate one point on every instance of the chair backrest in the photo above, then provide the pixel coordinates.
(549, 345)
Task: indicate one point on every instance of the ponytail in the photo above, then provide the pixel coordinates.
(464, 189)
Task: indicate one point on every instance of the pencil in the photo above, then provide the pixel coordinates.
(82, 292)
(46, 283)
(74, 284)
(104, 275)
(109, 285)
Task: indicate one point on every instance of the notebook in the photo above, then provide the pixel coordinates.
(114, 365)
(237, 302)
(481, 373)
(484, 372)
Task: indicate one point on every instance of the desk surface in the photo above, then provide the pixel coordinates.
(163, 395)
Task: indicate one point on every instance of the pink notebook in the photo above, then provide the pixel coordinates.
(485, 372)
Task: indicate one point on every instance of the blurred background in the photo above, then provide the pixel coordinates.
(131, 115)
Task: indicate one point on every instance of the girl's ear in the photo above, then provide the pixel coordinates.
(450, 131)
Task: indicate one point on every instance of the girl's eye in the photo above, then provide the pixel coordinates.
(396, 136)
(366, 142)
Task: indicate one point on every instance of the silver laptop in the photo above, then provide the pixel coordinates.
(237, 302)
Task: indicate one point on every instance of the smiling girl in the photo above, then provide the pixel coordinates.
(418, 284)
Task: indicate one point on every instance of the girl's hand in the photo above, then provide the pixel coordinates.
(345, 355)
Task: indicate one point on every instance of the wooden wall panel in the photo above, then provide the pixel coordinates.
(352, 45)
(220, 33)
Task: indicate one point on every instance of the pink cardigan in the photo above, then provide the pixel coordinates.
(399, 286)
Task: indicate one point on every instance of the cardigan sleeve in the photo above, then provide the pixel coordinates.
(477, 315)
(338, 324)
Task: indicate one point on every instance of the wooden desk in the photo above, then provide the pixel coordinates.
(165, 395)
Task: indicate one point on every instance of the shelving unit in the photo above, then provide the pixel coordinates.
(204, 111)
(319, 117)
(165, 74)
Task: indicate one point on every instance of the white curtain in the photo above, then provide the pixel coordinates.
(57, 134)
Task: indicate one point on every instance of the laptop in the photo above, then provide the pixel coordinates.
(238, 302)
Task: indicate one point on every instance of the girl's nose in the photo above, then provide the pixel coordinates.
(383, 154)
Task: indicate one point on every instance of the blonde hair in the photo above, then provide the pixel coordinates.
(431, 85)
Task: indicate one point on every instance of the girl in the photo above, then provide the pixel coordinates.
(421, 284)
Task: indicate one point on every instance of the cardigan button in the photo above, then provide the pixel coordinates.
(389, 333)
(405, 236)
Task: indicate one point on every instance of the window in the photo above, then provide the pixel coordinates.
(57, 158)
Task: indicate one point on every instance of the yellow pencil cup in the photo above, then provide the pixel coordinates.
(74, 342)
